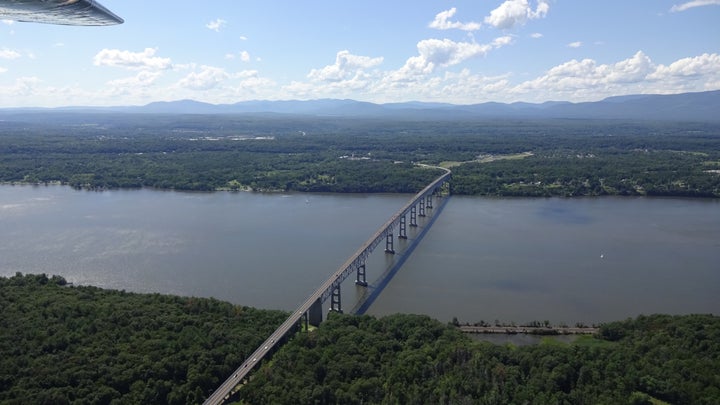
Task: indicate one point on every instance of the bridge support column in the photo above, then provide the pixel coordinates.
(360, 278)
(403, 227)
(314, 314)
(422, 207)
(335, 303)
(389, 244)
(430, 201)
(413, 215)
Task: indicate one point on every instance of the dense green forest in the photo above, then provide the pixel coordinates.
(262, 153)
(63, 344)
(84, 345)
(409, 359)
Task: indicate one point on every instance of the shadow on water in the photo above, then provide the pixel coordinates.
(377, 287)
(563, 214)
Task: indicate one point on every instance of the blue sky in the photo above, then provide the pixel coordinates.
(462, 52)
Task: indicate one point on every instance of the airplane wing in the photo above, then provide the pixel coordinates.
(63, 12)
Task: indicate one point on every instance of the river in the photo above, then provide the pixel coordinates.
(564, 260)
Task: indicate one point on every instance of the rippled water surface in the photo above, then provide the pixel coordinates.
(565, 260)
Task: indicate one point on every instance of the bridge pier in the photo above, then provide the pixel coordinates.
(430, 200)
(389, 244)
(335, 304)
(422, 207)
(413, 216)
(314, 315)
(403, 227)
(360, 277)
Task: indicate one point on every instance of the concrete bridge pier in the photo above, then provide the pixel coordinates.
(314, 315)
(360, 278)
(390, 244)
(413, 216)
(430, 200)
(335, 302)
(403, 227)
(422, 207)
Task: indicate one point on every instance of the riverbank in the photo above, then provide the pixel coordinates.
(529, 330)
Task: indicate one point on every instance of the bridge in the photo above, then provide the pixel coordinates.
(311, 310)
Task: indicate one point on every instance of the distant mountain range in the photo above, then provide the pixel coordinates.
(702, 106)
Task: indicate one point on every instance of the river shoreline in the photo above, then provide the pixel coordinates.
(529, 330)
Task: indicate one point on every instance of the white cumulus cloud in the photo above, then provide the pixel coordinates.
(693, 4)
(243, 55)
(576, 44)
(434, 53)
(216, 25)
(472, 88)
(132, 60)
(142, 79)
(250, 84)
(688, 68)
(346, 66)
(23, 87)
(588, 80)
(8, 54)
(442, 53)
(442, 22)
(207, 78)
(512, 13)
(502, 41)
(135, 86)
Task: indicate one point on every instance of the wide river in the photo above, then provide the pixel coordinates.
(564, 260)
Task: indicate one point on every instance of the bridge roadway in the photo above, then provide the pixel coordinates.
(322, 293)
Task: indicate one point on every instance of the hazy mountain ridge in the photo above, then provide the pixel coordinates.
(702, 106)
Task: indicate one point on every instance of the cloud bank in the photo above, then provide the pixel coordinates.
(131, 60)
(442, 69)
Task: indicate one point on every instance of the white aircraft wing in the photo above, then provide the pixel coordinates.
(64, 12)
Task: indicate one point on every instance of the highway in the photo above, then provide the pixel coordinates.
(322, 293)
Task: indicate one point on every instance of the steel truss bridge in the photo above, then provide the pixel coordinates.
(311, 310)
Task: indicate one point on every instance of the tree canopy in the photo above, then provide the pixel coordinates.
(63, 344)
(414, 359)
(507, 158)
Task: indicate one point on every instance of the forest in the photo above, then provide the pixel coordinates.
(412, 359)
(65, 344)
(281, 153)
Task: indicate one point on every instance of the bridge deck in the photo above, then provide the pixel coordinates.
(322, 293)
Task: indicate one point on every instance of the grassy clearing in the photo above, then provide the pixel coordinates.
(513, 156)
(487, 159)
(591, 341)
